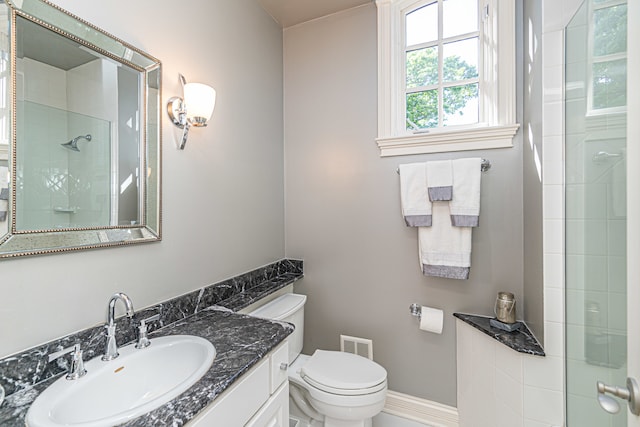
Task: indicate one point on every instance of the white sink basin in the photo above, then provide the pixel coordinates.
(124, 388)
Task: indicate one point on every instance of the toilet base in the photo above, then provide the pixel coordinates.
(304, 421)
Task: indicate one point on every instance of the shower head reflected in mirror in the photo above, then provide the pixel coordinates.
(73, 144)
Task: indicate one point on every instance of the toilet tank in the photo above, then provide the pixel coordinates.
(287, 308)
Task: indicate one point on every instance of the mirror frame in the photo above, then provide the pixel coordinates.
(37, 242)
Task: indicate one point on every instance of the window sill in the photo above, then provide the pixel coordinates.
(480, 138)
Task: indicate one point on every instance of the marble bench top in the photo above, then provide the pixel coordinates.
(521, 340)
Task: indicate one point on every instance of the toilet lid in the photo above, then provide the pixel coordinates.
(339, 372)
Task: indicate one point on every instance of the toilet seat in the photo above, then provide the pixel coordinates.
(343, 374)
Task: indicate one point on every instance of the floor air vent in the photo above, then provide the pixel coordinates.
(360, 346)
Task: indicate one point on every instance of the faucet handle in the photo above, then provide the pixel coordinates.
(143, 340)
(77, 369)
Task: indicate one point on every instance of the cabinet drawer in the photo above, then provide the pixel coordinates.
(279, 366)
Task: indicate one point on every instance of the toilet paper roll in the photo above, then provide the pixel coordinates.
(431, 320)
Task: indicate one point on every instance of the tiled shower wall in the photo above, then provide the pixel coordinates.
(533, 386)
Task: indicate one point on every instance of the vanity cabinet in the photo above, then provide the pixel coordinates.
(260, 398)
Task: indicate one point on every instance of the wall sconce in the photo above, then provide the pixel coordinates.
(194, 110)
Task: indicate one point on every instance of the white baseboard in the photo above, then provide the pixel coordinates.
(421, 410)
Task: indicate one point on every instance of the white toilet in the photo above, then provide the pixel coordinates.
(331, 387)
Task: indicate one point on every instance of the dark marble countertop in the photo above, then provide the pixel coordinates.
(521, 340)
(240, 342)
(211, 313)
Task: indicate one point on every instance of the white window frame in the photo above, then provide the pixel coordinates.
(497, 88)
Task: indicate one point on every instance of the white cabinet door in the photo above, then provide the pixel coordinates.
(275, 413)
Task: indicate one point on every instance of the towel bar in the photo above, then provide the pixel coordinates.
(485, 165)
(415, 310)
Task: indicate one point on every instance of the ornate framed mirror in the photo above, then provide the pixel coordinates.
(80, 141)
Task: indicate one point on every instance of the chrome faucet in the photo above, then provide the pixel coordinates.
(77, 365)
(111, 349)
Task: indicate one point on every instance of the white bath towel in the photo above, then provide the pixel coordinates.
(440, 180)
(445, 250)
(416, 207)
(465, 204)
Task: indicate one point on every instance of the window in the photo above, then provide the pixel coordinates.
(441, 64)
(607, 92)
(444, 81)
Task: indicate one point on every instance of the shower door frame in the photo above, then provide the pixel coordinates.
(633, 199)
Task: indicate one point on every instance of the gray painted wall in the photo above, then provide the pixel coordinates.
(222, 196)
(532, 179)
(343, 214)
(225, 209)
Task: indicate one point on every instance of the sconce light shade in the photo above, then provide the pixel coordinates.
(194, 110)
(200, 100)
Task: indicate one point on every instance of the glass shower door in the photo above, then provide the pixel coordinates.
(596, 156)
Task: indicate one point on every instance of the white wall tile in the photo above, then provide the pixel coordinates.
(553, 270)
(507, 417)
(509, 362)
(554, 339)
(552, 15)
(553, 87)
(464, 353)
(543, 405)
(553, 305)
(553, 207)
(569, 9)
(544, 372)
(552, 118)
(509, 392)
(552, 160)
(553, 49)
(553, 230)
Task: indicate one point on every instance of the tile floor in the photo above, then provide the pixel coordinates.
(386, 420)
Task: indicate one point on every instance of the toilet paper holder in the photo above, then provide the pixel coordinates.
(430, 319)
(416, 310)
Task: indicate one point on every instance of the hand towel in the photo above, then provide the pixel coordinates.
(416, 207)
(440, 180)
(445, 250)
(465, 204)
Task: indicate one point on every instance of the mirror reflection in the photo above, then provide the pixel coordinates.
(5, 120)
(77, 132)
